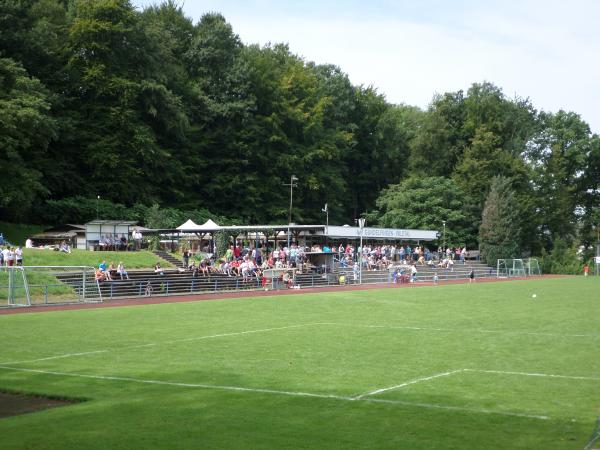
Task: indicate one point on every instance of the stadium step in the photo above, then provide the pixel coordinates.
(168, 257)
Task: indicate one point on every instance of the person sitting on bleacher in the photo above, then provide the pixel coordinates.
(192, 268)
(121, 270)
(112, 270)
(158, 270)
(100, 275)
(204, 267)
(104, 269)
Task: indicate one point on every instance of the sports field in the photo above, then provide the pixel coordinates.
(445, 367)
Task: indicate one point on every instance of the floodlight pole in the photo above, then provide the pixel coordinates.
(97, 207)
(292, 185)
(444, 236)
(361, 227)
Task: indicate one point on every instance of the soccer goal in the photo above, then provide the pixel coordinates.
(14, 289)
(533, 267)
(62, 284)
(507, 268)
(518, 268)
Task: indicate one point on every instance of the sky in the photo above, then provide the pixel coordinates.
(544, 50)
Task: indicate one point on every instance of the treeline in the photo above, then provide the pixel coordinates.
(149, 108)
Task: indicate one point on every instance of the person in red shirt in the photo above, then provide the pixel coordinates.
(586, 270)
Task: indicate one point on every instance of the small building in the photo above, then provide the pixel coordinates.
(72, 234)
(108, 234)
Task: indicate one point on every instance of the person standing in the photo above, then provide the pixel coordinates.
(186, 258)
(471, 275)
(19, 256)
(10, 257)
(413, 273)
(586, 270)
(137, 238)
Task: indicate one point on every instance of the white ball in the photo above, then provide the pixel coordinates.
(534, 296)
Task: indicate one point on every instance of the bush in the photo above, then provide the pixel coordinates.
(562, 260)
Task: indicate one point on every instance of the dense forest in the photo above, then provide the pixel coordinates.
(166, 119)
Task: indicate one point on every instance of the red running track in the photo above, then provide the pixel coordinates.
(223, 295)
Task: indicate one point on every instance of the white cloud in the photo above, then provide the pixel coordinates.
(544, 50)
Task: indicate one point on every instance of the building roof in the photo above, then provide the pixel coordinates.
(112, 222)
(344, 232)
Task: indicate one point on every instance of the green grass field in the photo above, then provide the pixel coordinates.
(446, 367)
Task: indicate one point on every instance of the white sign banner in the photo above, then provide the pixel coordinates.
(381, 233)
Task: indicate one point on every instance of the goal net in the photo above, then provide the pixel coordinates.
(14, 290)
(533, 267)
(61, 284)
(518, 267)
(507, 268)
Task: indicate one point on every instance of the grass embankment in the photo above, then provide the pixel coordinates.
(465, 367)
(132, 260)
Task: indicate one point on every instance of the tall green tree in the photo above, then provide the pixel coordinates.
(26, 129)
(499, 233)
(425, 203)
(559, 155)
(441, 138)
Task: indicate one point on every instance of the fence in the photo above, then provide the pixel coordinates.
(38, 285)
(59, 284)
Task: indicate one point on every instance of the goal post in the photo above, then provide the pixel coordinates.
(508, 268)
(14, 288)
(40, 285)
(533, 267)
(517, 267)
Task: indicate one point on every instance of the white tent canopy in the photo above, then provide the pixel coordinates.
(208, 225)
(189, 225)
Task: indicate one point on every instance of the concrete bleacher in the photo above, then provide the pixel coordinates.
(426, 273)
(176, 282)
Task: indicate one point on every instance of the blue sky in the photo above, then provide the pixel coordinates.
(548, 51)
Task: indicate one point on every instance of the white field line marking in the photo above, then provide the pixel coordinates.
(212, 336)
(534, 374)
(273, 391)
(408, 383)
(67, 355)
(455, 330)
(456, 408)
(152, 344)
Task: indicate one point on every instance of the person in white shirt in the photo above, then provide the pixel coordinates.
(413, 272)
(19, 256)
(137, 238)
(28, 243)
(10, 257)
(121, 271)
(5, 255)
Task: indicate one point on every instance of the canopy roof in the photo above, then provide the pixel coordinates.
(189, 225)
(209, 225)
